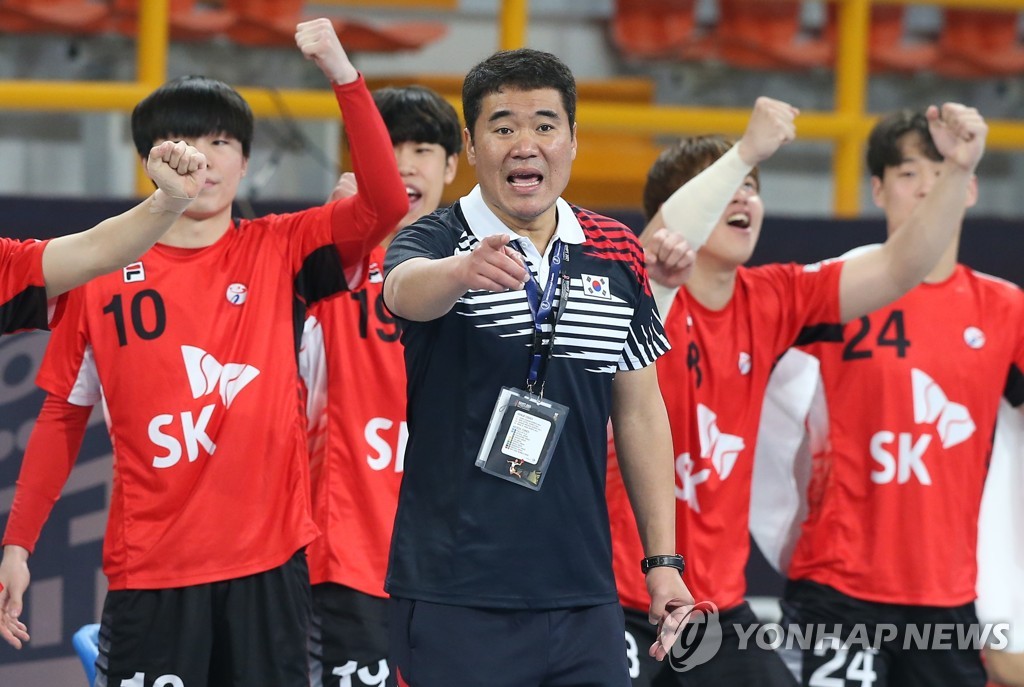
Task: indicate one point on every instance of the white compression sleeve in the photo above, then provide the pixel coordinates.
(694, 209)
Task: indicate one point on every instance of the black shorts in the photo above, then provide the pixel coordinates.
(348, 641)
(856, 643)
(740, 661)
(246, 632)
(436, 645)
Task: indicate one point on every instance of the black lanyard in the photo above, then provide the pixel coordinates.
(542, 308)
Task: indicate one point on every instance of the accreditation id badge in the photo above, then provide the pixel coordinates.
(521, 437)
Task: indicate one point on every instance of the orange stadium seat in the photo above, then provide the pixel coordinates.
(272, 23)
(412, 35)
(265, 22)
(979, 43)
(658, 29)
(889, 49)
(54, 16)
(189, 19)
(767, 34)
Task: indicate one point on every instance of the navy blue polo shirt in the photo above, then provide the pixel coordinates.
(462, 536)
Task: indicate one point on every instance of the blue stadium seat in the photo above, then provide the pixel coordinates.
(87, 643)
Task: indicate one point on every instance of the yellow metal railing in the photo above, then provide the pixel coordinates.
(846, 126)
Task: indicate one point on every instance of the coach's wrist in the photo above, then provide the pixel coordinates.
(663, 561)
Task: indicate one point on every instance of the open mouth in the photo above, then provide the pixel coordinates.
(740, 220)
(525, 180)
(413, 193)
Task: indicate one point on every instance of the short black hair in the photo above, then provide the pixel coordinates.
(420, 115)
(885, 144)
(681, 162)
(191, 106)
(522, 70)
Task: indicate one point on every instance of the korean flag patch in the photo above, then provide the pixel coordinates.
(596, 286)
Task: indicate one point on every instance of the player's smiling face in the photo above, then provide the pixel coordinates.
(425, 169)
(226, 165)
(735, 237)
(522, 147)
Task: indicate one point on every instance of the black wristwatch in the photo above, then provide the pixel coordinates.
(673, 561)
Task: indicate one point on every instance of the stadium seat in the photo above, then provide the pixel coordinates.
(54, 16)
(980, 43)
(889, 48)
(272, 23)
(265, 22)
(411, 35)
(767, 34)
(659, 29)
(189, 20)
(87, 643)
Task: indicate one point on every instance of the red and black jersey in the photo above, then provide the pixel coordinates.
(354, 369)
(912, 393)
(193, 353)
(23, 303)
(714, 382)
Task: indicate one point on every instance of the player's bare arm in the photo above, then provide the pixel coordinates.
(14, 579)
(319, 43)
(644, 444)
(421, 289)
(179, 172)
(913, 249)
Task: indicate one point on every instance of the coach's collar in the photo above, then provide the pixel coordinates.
(485, 223)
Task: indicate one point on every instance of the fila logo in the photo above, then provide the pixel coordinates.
(723, 449)
(954, 422)
(596, 286)
(206, 374)
(134, 272)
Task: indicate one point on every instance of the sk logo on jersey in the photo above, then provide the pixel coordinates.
(376, 276)
(185, 433)
(596, 286)
(954, 423)
(689, 479)
(206, 374)
(134, 272)
(722, 449)
(900, 456)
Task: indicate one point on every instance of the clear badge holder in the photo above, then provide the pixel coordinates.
(521, 437)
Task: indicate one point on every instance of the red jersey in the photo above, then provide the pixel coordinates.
(912, 393)
(193, 353)
(354, 368)
(714, 381)
(23, 303)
